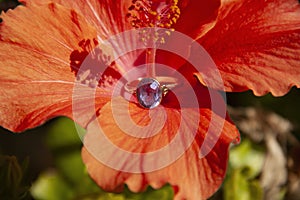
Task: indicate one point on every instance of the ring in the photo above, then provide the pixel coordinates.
(150, 91)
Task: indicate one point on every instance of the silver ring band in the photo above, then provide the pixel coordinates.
(165, 81)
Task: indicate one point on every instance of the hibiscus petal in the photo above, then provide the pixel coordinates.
(177, 143)
(197, 16)
(256, 45)
(36, 77)
(107, 16)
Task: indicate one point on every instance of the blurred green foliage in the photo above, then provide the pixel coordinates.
(245, 164)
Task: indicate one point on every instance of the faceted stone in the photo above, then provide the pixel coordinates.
(149, 93)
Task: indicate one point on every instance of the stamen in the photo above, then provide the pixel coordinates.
(153, 13)
(150, 62)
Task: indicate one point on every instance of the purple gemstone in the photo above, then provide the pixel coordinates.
(149, 93)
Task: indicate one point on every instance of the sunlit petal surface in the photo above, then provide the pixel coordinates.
(256, 45)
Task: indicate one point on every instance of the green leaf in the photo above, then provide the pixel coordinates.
(64, 141)
(238, 186)
(62, 134)
(51, 186)
(247, 155)
(245, 164)
(71, 166)
(165, 193)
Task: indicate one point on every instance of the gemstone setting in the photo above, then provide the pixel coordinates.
(149, 93)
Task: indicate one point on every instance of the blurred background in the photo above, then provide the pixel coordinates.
(45, 163)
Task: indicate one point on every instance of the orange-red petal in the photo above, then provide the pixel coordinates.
(36, 81)
(197, 16)
(256, 45)
(107, 16)
(127, 144)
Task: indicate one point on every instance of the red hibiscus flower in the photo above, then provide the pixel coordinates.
(254, 44)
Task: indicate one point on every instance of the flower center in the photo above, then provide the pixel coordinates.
(152, 18)
(153, 13)
(149, 93)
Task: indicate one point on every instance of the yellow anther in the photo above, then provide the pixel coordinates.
(168, 25)
(161, 13)
(150, 13)
(153, 12)
(168, 33)
(174, 19)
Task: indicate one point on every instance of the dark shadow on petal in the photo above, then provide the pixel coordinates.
(92, 66)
